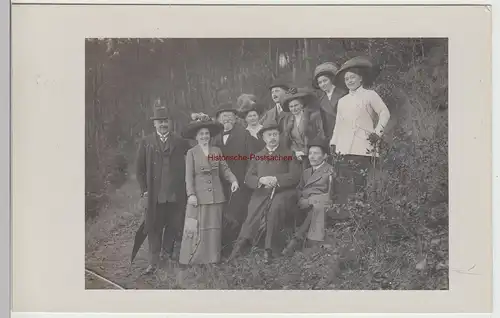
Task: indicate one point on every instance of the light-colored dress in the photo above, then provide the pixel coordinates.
(203, 179)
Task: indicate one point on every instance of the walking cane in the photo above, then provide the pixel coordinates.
(266, 209)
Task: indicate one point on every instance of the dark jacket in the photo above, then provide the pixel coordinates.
(328, 110)
(240, 143)
(272, 117)
(311, 125)
(149, 163)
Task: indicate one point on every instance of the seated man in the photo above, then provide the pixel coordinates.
(314, 195)
(273, 170)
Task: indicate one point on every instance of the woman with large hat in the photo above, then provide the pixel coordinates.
(250, 111)
(356, 128)
(324, 80)
(303, 122)
(205, 165)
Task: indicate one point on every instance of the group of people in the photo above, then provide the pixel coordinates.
(207, 197)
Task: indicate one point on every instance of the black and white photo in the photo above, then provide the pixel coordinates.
(266, 163)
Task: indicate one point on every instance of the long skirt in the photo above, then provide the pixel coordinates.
(204, 247)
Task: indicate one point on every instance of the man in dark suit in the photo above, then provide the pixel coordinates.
(276, 114)
(234, 141)
(272, 167)
(160, 170)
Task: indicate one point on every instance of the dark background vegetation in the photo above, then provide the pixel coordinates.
(398, 239)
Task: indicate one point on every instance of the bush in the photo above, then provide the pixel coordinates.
(400, 233)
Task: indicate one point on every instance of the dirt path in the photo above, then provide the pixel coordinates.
(110, 240)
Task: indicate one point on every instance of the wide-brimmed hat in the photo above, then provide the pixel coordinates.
(328, 68)
(160, 113)
(192, 129)
(305, 94)
(268, 126)
(280, 83)
(368, 69)
(319, 142)
(226, 107)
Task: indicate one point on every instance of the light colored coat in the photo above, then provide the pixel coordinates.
(203, 176)
(355, 122)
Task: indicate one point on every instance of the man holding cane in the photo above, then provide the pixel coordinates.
(267, 212)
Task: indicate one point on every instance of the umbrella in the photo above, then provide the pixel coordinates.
(140, 237)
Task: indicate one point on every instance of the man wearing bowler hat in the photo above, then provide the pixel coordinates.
(160, 170)
(276, 114)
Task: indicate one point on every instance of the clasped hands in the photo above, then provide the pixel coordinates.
(193, 200)
(269, 181)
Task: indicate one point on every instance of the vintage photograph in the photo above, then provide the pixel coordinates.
(266, 163)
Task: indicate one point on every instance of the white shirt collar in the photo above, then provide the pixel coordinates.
(278, 106)
(330, 93)
(271, 149)
(163, 136)
(314, 169)
(357, 90)
(254, 130)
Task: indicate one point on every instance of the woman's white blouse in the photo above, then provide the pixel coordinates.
(356, 114)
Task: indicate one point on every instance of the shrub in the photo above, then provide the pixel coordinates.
(400, 232)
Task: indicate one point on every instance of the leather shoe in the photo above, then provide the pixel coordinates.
(268, 255)
(150, 270)
(290, 248)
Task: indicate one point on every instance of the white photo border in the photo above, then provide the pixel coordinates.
(23, 109)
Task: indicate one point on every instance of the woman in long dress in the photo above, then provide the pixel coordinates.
(361, 118)
(201, 242)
